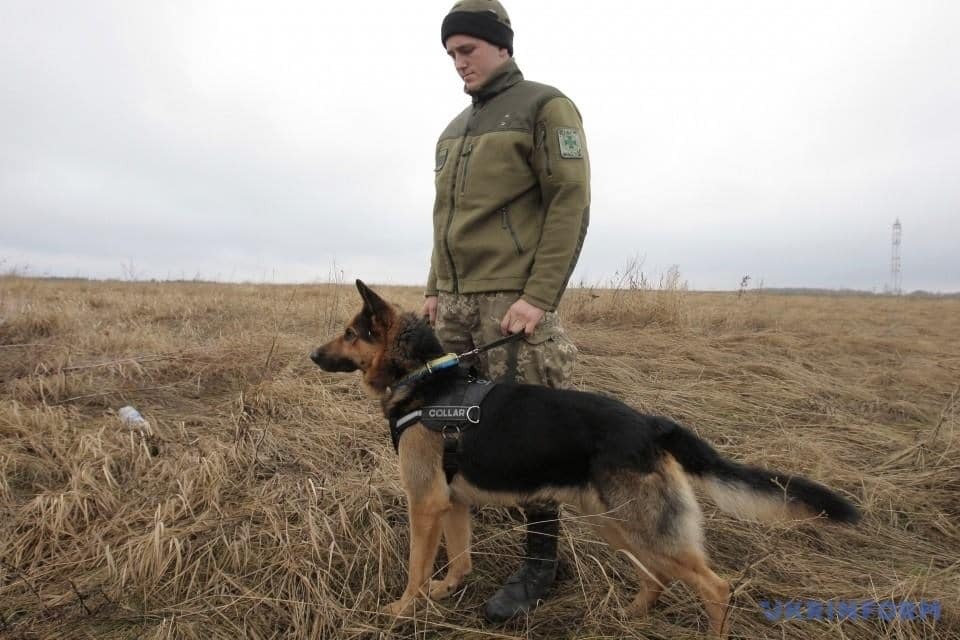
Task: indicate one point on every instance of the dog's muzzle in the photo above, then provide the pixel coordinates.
(325, 362)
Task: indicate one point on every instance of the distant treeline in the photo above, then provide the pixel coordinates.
(787, 291)
(804, 291)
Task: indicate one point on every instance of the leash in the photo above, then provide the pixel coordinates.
(490, 345)
(453, 359)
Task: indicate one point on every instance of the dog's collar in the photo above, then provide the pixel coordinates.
(437, 364)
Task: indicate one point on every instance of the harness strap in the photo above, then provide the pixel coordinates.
(399, 425)
(451, 452)
(450, 416)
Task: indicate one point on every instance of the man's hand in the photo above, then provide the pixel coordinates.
(430, 309)
(521, 316)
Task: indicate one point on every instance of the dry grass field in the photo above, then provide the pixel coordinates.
(265, 503)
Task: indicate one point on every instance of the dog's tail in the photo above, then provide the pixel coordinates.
(751, 493)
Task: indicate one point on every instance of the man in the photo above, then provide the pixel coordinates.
(510, 216)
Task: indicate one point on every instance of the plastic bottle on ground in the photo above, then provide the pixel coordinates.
(134, 421)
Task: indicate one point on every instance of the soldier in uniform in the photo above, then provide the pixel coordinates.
(510, 215)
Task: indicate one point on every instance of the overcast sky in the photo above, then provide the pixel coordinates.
(270, 141)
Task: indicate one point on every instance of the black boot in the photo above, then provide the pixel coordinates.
(532, 581)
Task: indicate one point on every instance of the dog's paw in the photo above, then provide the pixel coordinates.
(633, 612)
(641, 605)
(440, 589)
(398, 608)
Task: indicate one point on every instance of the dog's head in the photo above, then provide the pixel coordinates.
(381, 342)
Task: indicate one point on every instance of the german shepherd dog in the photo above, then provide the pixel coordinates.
(629, 474)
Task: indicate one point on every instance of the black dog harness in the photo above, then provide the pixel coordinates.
(453, 413)
(450, 415)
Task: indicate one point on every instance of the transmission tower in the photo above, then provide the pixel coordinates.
(895, 260)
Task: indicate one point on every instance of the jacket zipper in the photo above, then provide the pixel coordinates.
(505, 223)
(453, 205)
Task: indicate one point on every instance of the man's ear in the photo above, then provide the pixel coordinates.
(374, 305)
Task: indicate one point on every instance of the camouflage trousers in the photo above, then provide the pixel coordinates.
(468, 320)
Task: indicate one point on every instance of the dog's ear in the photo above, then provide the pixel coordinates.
(374, 305)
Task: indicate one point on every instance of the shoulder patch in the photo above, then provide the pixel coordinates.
(570, 146)
(441, 159)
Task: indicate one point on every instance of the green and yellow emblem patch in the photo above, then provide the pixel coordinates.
(570, 146)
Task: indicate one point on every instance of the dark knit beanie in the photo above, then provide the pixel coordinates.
(484, 19)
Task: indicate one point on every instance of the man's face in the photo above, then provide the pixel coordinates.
(474, 59)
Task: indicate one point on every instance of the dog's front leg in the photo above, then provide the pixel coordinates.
(428, 499)
(425, 527)
(456, 537)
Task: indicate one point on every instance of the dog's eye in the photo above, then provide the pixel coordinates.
(350, 334)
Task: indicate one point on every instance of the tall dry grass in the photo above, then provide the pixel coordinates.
(265, 504)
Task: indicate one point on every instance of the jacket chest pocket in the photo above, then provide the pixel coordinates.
(465, 165)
